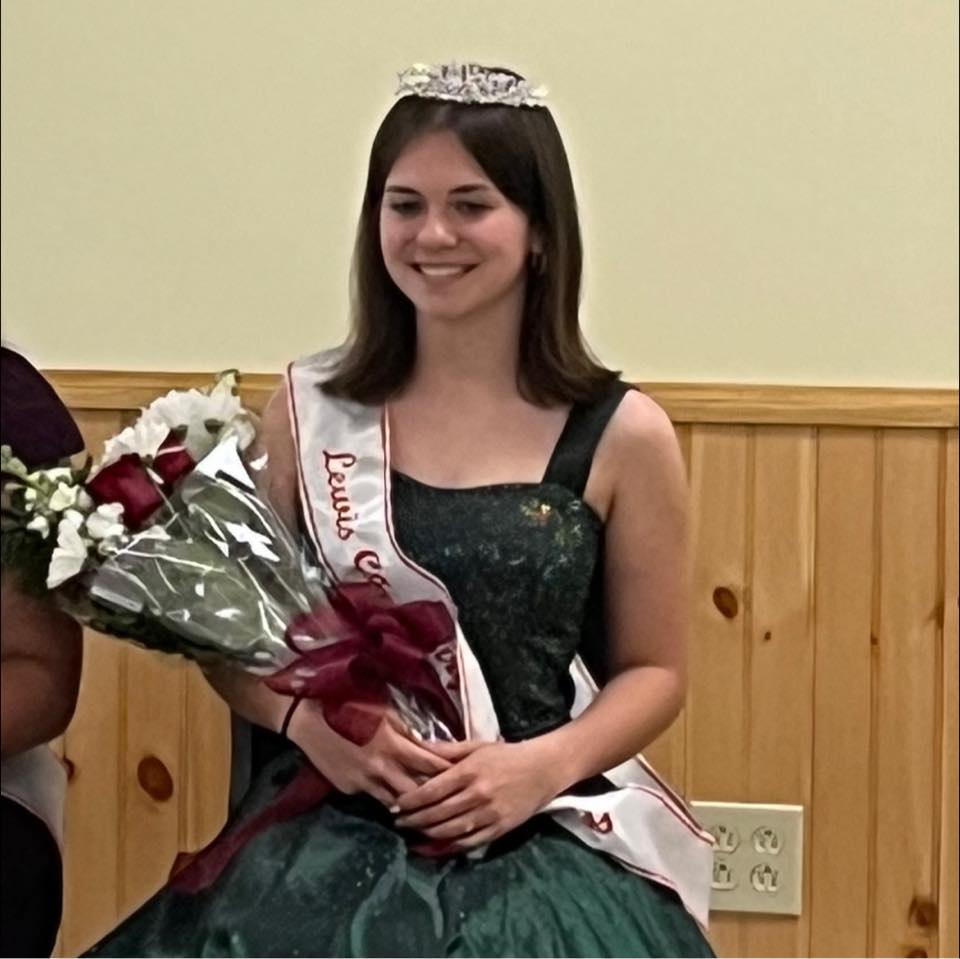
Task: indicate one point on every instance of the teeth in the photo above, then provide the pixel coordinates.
(441, 270)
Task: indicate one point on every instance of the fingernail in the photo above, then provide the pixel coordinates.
(394, 809)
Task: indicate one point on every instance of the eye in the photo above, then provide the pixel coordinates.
(404, 207)
(470, 208)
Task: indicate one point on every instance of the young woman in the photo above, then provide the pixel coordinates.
(544, 501)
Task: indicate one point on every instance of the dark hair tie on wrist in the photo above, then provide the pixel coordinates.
(285, 725)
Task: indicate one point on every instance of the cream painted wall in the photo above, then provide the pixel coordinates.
(768, 187)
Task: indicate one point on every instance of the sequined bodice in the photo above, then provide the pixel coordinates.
(518, 560)
(524, 564)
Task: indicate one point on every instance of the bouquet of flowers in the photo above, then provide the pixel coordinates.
(166, 541)
(163, 539)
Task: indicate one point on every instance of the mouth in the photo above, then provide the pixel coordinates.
(443, 270)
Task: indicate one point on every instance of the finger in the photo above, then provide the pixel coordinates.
(455, 805)
(380, 793)
(417, 758)
(480, 838)
(397, 780)
(434, 790)
(455, 751)
(459, 828)
(395, 723)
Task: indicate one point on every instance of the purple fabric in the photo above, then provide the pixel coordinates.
(33, 420)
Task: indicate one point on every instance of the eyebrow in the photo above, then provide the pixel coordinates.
(470, 188)
(466, 188)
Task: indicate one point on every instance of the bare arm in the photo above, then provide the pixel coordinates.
(646, 588)
(42, 652)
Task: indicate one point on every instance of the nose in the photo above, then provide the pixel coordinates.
(436, 232)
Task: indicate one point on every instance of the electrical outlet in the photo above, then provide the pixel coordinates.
(757, 856)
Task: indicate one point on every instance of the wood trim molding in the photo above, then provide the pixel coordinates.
(864, 406)
(130, 389)
(684, 402)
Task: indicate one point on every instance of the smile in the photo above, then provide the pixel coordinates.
(443, 270)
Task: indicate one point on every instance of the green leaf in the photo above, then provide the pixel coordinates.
(27, 554)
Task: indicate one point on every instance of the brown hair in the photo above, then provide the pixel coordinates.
(520, 149)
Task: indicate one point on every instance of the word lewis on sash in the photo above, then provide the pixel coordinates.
(366, 561)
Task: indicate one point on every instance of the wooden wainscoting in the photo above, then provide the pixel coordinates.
(823, 668)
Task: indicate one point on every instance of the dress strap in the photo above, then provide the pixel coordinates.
(572, 457)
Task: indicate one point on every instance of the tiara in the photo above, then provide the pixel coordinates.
(469, 83)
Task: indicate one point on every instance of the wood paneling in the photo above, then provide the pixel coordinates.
(907, 691)
(823, 668)
(205, 759)
(779, 743)
(718, 701)
(950, 664)
(839, 836)
(153, 773)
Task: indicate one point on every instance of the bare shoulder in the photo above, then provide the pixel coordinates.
(638, 456)
(640, 423)
(640, 441)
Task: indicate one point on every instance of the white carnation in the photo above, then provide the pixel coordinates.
(41, 525)
(63, 497)
(74, 517)
(105, 523)
(68, 557)
(143, 439)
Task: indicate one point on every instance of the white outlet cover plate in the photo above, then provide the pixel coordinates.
(758, 859)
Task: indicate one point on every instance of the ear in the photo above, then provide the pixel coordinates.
(536, 242)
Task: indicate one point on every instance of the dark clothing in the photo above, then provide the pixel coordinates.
(31, 887)
(33, 420)
(38, 428)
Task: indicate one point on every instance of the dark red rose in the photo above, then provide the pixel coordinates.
(126, 481)
(172, 462)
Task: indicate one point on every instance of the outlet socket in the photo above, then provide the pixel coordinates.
(758, 856)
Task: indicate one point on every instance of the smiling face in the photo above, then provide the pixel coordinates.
(451, 241)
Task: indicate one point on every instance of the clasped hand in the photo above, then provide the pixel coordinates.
(391, 764)
(489, 789)
(466, 793)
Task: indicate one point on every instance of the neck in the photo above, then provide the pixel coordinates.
(476, 354)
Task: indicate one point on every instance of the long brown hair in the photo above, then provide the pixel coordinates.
(520, 150)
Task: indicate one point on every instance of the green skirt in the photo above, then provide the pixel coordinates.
(338, 880)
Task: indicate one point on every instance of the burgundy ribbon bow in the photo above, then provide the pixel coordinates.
(377, 643)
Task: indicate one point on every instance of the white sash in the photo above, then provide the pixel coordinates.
(343, 459)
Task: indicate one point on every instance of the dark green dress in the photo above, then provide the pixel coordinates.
(522, 564)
